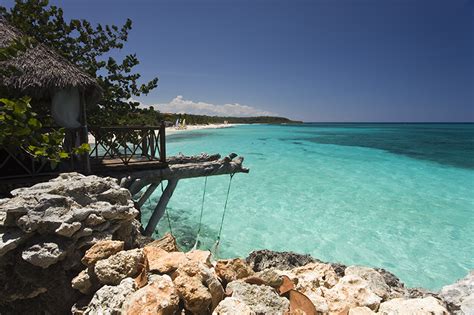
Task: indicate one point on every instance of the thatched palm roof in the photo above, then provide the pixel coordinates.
(42, 70)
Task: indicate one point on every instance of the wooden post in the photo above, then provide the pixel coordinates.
(162, 142)
(147, 194)
(84, 137)
(161, 207)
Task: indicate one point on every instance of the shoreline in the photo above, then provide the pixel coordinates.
(174, 130)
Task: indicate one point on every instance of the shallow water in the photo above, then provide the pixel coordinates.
(395, 196)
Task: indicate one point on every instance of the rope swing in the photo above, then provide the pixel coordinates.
(197, 243)
(166, 211)
(215, 248)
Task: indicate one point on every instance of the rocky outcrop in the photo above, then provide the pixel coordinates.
(265, 259)
(46, 229)
(459, 296)
(158, 297)
(233, 269)
(424, 306)
(260, 299)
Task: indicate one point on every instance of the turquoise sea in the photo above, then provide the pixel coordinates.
(397, 196)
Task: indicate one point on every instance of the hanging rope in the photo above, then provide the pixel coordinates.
(216, 245)
(166, 211)
(196, 244)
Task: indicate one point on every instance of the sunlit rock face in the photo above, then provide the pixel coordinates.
(46, 229)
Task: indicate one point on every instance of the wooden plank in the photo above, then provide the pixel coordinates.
(161, 207)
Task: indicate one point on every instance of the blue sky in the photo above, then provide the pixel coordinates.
(331, 60)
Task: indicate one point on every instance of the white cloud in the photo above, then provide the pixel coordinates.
(180, 105)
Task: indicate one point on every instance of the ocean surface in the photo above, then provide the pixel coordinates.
(396, 196)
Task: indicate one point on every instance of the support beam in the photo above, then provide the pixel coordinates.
(147, 194)
(161, 207)
(227, 165)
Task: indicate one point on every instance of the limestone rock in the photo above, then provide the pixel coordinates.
(167, 243)
(197, 298)
(119, 266)
(231, 306)
(158, 297)
(10, 238)
(460, 295)
(110, 299)
(93, 220)
(260, 299)
(351, 291)
(202, 256)
(85, 281)
(361, 311)
(270, 277)
(424, 306)
(68, 229)
(264, 259)
(198, 286)
(101, 250)
(43, 254)
(233, 269)
(162, 261)
(375, 279)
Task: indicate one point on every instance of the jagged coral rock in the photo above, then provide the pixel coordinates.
(374, 278)
(424, 306)
(264, 259)
(351, 291)
(459, 296)
(68, 229)
(167, 243)
(261, 299)
(119, 266)
(158, 297)
(43, 254)
(101, 250)
(198, 286)
(162, 261)
(110, 299)
(233, 269)
(231, 306)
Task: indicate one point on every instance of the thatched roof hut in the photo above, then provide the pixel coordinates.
(42, 71)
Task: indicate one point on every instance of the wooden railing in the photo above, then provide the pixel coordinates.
(128, 144)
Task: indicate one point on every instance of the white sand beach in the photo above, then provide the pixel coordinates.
(174, 130)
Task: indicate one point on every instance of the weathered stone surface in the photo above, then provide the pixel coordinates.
(264, 259)
(119, 266)
(351, 291)
(110, 299)
(83, 281)
(202, 256)
(459, 296)
(158, 297)
(93, 220)
(68, 229)
(196, 296)
(167, 243)
(310, 279)
(424, 306)
(162, 261)
(231, 306)
(101, 250)
(374, 278)
(73, 212)
(233, 269)
(261, 299)
(361, 311)
(43, 254)
(10, 238)
(270, 277)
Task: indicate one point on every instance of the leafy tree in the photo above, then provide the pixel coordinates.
(88, 47)
(20, 129)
